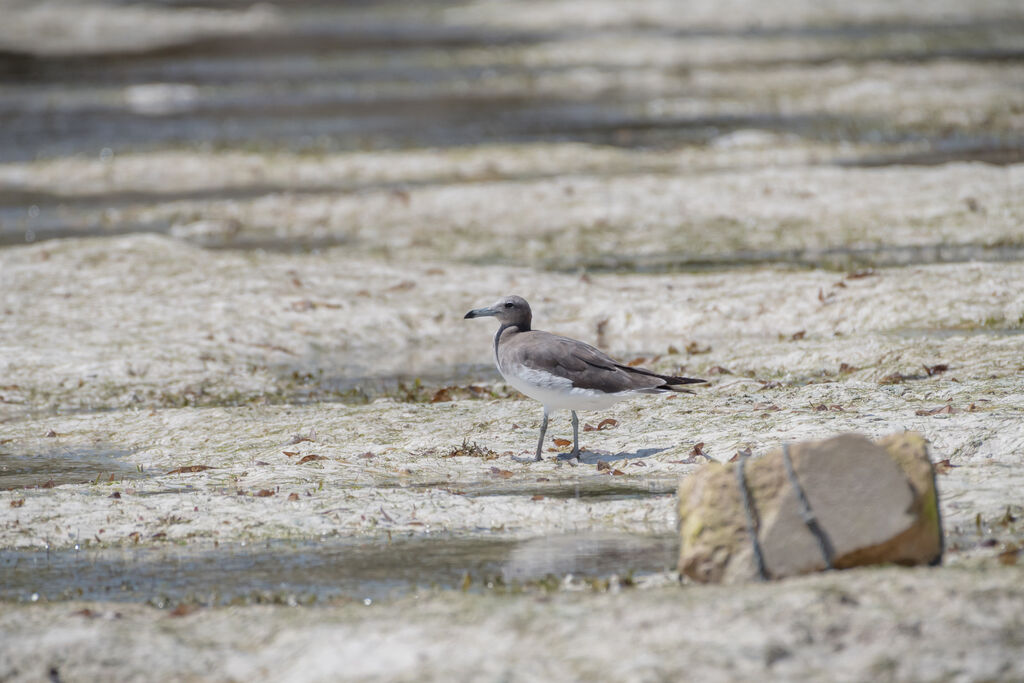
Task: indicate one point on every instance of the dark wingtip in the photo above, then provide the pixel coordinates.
(673, 384)
(684, 380)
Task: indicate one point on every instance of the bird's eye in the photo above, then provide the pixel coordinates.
(508, 304)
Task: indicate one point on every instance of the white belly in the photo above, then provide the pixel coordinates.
(558, 393)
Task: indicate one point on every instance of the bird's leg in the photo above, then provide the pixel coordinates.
(575, 436)
(543, 430)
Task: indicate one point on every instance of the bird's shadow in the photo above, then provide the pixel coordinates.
(588, 457)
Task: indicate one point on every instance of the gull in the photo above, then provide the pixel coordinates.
(563, 373)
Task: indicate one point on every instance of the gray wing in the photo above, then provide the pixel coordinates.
(585, 366)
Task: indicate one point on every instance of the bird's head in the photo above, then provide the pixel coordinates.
(509, 310)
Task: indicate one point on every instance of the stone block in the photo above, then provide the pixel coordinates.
(875, 502)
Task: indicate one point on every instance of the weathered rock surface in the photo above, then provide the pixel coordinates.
(874, 502)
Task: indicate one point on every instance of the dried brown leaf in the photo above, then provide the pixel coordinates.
(299, 438)
(1009, 556)
(189, 469)
(183, 610)
(293, 496)
(693, 348)
(602, 466)
(698, 449)
(562, 443)
(797, 336)
(936, 369)
(607, 423)
(946, 409)
(17, 503)
(290, 454)
(745, 453)
(312, 457)
(537, 497)
(263, 493)
(48, 485)
(504, 474)
(617, 473)
(894, 378)
(846, 368)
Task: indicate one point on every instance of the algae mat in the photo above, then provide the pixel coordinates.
(226, 467)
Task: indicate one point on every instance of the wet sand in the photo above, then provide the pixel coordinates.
(246, 434)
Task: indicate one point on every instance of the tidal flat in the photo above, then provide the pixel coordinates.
(245, 433)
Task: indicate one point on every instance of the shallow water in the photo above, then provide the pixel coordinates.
(63, 465)
(836, 258)
(586, 487)
(304, 572)
(329, 78)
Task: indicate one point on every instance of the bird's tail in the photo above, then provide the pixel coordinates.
(675, 384)
(671, 383)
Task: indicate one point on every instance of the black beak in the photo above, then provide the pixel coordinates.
(481, 313)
